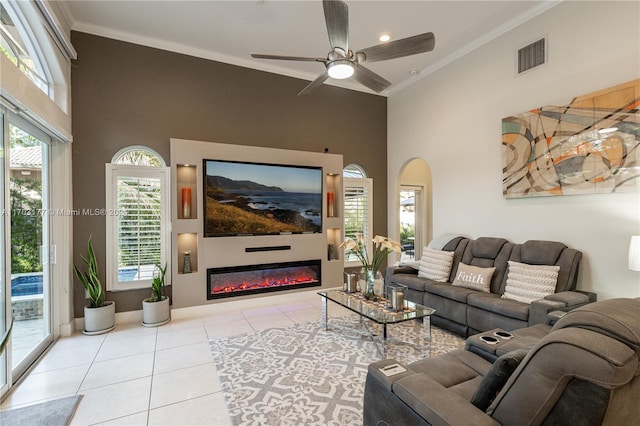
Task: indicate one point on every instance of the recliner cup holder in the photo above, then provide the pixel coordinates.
(503, 335)
(490, 340)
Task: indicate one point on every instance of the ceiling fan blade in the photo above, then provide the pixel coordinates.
(420, 43)
(370, 79)
(287, 58)
(336, 15)
(314, 84)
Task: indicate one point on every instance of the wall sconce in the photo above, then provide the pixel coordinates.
(634, 253)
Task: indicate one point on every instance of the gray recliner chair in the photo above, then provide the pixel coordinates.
(585, 371)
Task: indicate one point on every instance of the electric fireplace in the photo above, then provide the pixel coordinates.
(249, 279)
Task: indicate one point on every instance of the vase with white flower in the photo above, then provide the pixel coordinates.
(382, 247)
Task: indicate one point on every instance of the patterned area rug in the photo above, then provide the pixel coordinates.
(305, 375)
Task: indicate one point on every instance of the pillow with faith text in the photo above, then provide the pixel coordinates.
(474, 277)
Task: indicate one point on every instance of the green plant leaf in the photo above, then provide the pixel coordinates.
(89, 278)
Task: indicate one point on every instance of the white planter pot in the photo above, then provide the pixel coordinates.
(100, 320)
(155, 314)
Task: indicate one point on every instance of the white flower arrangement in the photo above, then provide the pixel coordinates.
(382, 247)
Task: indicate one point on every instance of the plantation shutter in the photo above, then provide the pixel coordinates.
(139, 226)
(358, 212)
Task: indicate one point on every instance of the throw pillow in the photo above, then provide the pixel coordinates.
(435, 264)
(497, 376)
(474, 277)
(526, 283)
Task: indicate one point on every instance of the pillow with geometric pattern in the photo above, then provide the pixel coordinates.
(435, 264)
(526, 283)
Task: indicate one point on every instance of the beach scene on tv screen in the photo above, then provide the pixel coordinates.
(261, 199)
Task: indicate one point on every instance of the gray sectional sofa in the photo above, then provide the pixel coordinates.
(468, 311)
(583, 371)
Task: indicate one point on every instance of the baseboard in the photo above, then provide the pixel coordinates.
(129, 317)
(67, 329)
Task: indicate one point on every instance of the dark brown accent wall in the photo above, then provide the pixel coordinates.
(126, 94)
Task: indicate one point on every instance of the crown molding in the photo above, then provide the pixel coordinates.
(488, 37)
(208, 54)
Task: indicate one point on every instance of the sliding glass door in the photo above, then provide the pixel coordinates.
(4, 318)
(29, 244)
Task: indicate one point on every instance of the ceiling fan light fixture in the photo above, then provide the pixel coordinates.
(340, 69)
(341, 62)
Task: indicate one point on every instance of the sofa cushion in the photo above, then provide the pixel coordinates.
(526, 283)
(541, 252)
(493, 303)
(452, 368)
(495, 379)
(448, 291)
(436, 264)
(488, 252)
(486, 247)
(548, 253)
(474, 277)
(436, 404)
(412, 281)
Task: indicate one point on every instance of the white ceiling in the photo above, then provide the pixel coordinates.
(229, 31)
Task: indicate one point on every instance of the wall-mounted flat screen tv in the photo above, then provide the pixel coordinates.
(243, 198)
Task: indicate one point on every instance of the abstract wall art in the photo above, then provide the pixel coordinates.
(590, 145)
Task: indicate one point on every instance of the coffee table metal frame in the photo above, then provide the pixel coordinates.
(379, 315)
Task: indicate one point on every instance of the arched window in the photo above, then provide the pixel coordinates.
(354, 171)
(358, 206)
(138, 155)
(137, 209)
(17, 45)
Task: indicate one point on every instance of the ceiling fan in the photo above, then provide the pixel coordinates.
(341, 62)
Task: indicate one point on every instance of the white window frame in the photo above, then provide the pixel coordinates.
(113, 172)
(38, 74)
(366, 184)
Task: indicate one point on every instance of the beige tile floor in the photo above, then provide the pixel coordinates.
(157, 376)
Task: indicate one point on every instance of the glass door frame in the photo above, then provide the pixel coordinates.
(18, 370)
(5, 297)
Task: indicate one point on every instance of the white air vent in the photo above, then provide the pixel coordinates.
(532, 55)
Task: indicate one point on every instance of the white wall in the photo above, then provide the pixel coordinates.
(452, 119)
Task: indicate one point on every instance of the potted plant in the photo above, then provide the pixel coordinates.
(100, 315)
(155, 309)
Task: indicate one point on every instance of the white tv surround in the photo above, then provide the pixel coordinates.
(189, 289)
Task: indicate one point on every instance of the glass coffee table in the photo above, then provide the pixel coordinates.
(378, 313)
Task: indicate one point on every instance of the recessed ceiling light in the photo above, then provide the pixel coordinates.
(384, 37)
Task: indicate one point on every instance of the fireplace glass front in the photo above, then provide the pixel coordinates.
(248, 279)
